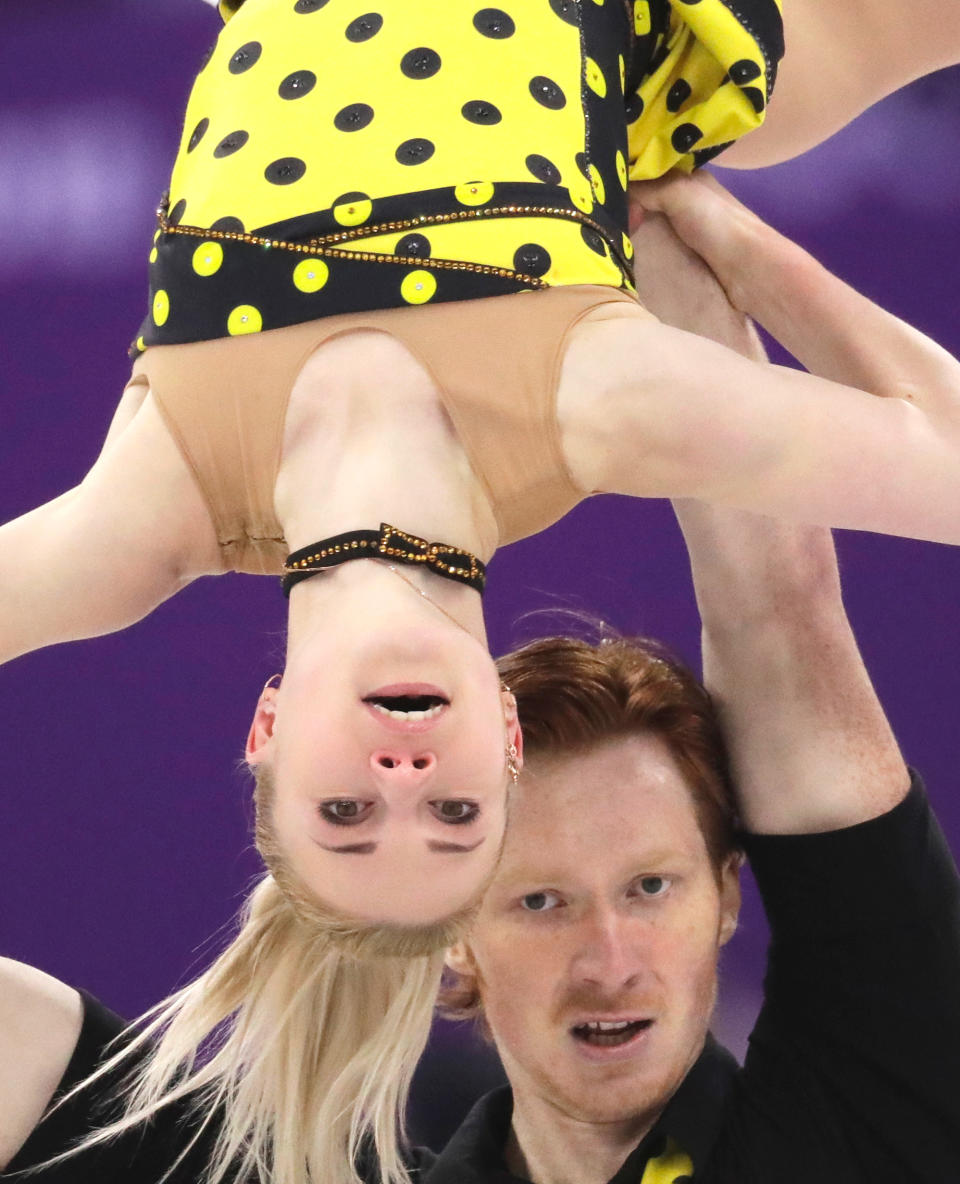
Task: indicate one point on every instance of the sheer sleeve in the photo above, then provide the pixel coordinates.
(709, 75)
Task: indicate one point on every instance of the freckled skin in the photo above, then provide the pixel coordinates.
(583, 830)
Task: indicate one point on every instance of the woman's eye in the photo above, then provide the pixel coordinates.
(455, 811)
(653, 885)
(540, 902)
(344, 811)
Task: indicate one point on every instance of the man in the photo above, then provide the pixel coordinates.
(593, 960)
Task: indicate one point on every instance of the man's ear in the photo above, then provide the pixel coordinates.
(459, 958)
(730, 896)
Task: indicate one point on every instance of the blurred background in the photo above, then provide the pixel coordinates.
(125, 839)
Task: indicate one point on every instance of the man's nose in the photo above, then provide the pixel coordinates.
(610, 952)
(392, 766)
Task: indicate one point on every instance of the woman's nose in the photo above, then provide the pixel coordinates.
(395, 766)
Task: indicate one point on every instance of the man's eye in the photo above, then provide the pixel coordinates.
(344, 811)
(455, 811)
(653, 885)
(540, 902)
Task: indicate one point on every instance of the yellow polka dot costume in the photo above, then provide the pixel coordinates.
(346, 155)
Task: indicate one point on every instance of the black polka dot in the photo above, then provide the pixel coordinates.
(246, 56)
(678, 94)
(176, 214)
(414, 244)
(593, 240)
(353, 118)
(308, 5)
(494, 22)
(297, 84)
(480, 111)
(546, 91)
(230, 144)
(354, 195)
(532, 259)
(582, 163)
(685, 136)
(634, 108)
(285, 171)
(420, 63)
(415, 151)
(566, 10)
(744, 71)
(198, 133)
(229, 225)
(543, 169)
(365, 27)
(755, 95)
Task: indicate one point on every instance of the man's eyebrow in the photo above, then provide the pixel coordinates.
(432, 844)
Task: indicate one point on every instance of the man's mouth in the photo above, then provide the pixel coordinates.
(609, 1033)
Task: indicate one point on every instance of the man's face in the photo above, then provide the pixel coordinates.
(605, 909)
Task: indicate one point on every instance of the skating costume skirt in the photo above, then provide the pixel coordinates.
(346, 155)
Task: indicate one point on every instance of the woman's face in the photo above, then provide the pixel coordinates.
(388, 753)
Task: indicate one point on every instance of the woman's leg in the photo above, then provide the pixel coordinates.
(40, 1021)
(652, 410)
(841, 58)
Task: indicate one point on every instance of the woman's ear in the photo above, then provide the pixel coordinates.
(260, 737)
(512, 723)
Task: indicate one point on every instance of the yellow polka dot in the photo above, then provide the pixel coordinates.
(207, 258)
(141, 344)
(153, 255)
(641, 17)
(582, 196)
(156, 236)
(596, 182)
(418, 287)
(623, 73)
(474, 193)
(244, 319)
(627, 246)
(599, 3)
(161, 307)
(621, 168)
(353, 213)
(595, 78)
(311, 275)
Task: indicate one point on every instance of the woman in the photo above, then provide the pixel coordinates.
(389, 719)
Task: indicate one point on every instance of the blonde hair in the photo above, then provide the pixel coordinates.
(303, 1035)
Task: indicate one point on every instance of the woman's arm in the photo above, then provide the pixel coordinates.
(104, 554)
(841, 58)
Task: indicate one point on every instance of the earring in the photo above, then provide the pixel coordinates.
(512, 767)
(269, 681)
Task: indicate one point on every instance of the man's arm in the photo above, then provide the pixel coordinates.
(810, 745)
(841, 58)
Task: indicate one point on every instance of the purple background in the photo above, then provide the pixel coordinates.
(125, 839)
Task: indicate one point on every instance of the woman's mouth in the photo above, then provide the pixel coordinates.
(407, 707)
